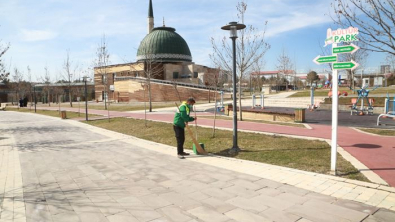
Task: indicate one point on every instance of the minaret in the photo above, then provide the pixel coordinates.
(150, 17)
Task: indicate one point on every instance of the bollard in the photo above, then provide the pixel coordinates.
(253, 101)
(262, 101)
(312, 98)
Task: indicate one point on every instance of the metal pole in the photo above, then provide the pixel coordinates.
(235, 147)
(335, 103)
(86, 102)
(262, 101)
(35, 102)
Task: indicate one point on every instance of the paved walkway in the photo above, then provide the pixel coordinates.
(377, 153)
(71, 171)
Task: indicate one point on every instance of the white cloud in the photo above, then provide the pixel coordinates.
(37, 35)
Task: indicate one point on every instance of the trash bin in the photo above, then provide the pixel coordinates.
(300, 115)
(63, 114)
(195, 150)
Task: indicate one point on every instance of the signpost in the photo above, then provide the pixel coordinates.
(325, 59)
(345, 65)
(335, 37)
(345, 49)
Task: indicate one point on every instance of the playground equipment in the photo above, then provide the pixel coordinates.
(254, 105)
(220, 104)
(363, 94)
(312, 105)
(389, 109)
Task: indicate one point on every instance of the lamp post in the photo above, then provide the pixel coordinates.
(85, 78)
(233, 27)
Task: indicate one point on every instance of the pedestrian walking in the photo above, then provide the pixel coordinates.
(182, 118)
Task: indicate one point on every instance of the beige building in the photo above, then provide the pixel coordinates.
(162, 55)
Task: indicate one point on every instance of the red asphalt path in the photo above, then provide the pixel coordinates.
(374, 151)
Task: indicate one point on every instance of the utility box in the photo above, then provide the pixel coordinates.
(63, 114)
(300, 115)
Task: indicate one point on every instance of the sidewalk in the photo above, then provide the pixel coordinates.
(377, 153)
(76, 172)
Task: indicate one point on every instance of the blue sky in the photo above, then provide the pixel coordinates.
(40, 32)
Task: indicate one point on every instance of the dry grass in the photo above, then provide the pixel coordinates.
(381, 132)
(54, 113)
(300, 154)
(255, 121)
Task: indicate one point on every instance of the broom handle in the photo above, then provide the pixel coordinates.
(196, 130)
(198, 147)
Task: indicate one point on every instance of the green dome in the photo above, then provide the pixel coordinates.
(164, 44)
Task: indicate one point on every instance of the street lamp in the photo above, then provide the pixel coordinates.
(233, 27)
(85, 78)
(35, 102)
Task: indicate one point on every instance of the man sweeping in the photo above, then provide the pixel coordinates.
(180, 120)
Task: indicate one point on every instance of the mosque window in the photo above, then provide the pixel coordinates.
(195, 74)
(175, 75)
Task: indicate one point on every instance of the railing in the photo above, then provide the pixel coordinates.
(170, 83)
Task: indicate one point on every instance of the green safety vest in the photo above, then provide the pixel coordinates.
(182, 116)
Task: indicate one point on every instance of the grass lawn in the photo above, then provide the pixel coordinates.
(54, 113)
(381, 132)
(255, 121)
(324, 92)
(300, 154)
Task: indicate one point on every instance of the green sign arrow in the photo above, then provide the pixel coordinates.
(345, 65)
(345, 49)
(325, 59)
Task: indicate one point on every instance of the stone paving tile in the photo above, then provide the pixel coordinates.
(122, 217)
(175, 214)
(364, 208)
(145, 215)
(309, 213)
(245, 216)
(248, 204)
(154, 201)
(273, 214)
(89, 217)
(384, 215)
(218, 193)
(241, 191)
(293, 198)
(180, 200)
(336, 210)
(219, 205)
(208, 214)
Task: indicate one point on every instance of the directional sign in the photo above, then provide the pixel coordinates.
(346, 65)
(325, 59)
(345, 49)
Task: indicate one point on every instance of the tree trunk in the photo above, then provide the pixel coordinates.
(71, 99)
(215, 112)
(149, 95)
(240, 112)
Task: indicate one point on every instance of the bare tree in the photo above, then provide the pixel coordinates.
(17, 86)
(251, 47)
(3, 73)
(375, 20)
(284, 66)
(360, 57)
(46, 79)
(175, 85)
(58, 91)
(151, 66)
(70, 70)
(101, 62)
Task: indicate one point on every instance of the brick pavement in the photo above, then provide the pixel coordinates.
(76, 172)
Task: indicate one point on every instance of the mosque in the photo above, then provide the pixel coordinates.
(164, 58)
